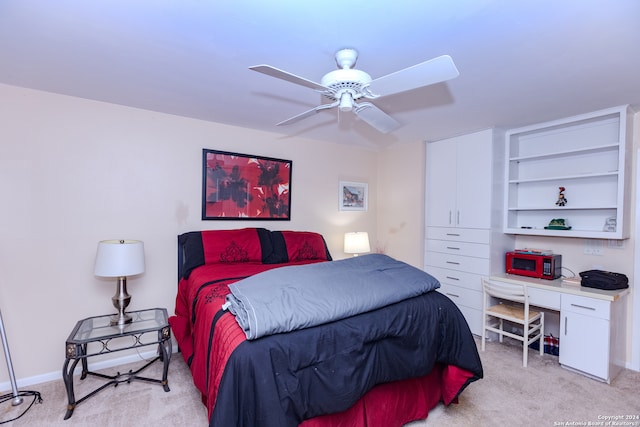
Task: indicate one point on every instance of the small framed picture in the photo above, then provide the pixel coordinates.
(353, 196)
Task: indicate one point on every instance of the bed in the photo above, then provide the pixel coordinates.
(259, 358)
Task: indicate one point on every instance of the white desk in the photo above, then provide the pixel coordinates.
(592, 323)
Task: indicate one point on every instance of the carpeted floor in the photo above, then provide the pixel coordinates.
(543, 394)
(138, 403)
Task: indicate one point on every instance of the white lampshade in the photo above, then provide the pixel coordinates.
(119, 258)
(356, 242)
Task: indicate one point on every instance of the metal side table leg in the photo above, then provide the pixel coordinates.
(67, 376)
(164, 350)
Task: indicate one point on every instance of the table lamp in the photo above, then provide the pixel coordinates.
(120, 258)
(356, 242)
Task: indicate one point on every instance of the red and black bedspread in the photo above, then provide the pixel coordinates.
(207, 335)
(363, 369)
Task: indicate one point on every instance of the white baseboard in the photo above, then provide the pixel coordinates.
(55, 376)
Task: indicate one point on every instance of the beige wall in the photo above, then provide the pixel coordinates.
(76, 171)
(400, 206)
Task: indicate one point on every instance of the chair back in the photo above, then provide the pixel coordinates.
(507, 291)
(532, 321)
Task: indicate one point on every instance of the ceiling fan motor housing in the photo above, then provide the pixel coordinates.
(346, 84)
(345, 80)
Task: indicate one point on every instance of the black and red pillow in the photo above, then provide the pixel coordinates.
(249, 245)
(294, 246)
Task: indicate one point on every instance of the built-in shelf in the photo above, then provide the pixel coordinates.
(560, 209)
(587, 155)
(565, 177)
(555, 154)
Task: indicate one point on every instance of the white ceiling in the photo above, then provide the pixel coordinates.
(520, 62)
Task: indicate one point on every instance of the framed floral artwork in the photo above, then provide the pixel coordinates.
(245, 187)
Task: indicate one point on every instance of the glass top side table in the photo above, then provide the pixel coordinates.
(95, 335)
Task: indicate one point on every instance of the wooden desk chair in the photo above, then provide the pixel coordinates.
(513, 307)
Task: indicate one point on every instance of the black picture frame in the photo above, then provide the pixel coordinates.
(239, 186)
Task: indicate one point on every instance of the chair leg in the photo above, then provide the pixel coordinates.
(541, 333)
(525, 344)
(484, 330)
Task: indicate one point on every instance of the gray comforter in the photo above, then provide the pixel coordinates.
(296, 297)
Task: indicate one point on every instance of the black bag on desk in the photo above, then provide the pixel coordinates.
(604, 280)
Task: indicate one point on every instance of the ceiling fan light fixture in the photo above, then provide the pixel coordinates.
(346, 102)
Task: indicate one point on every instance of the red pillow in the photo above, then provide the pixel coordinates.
(231, 246)
(305, 245)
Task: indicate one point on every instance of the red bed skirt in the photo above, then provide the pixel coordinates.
(398, 403)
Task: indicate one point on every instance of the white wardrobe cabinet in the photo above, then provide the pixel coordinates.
(464, 239)
(459, 180)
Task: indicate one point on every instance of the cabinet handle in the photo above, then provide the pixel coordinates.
(453, 234)
(453, 248)
(449, 217)
(452, 278)
(457, 217)
(583, 306)
(453, 262)
(565, 325)
(453, 295)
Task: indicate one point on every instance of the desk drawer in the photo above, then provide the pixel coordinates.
(543, 298)
(478, 250)
(587, 306)
(472, 235)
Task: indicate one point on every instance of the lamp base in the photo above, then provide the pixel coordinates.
(121, 301)
(116, 320)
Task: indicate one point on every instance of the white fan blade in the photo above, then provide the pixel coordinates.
(376, 117)
(306, 114)
(426, 73)
(284, 75)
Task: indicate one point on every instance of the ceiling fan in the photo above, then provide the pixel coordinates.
(346, 86)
